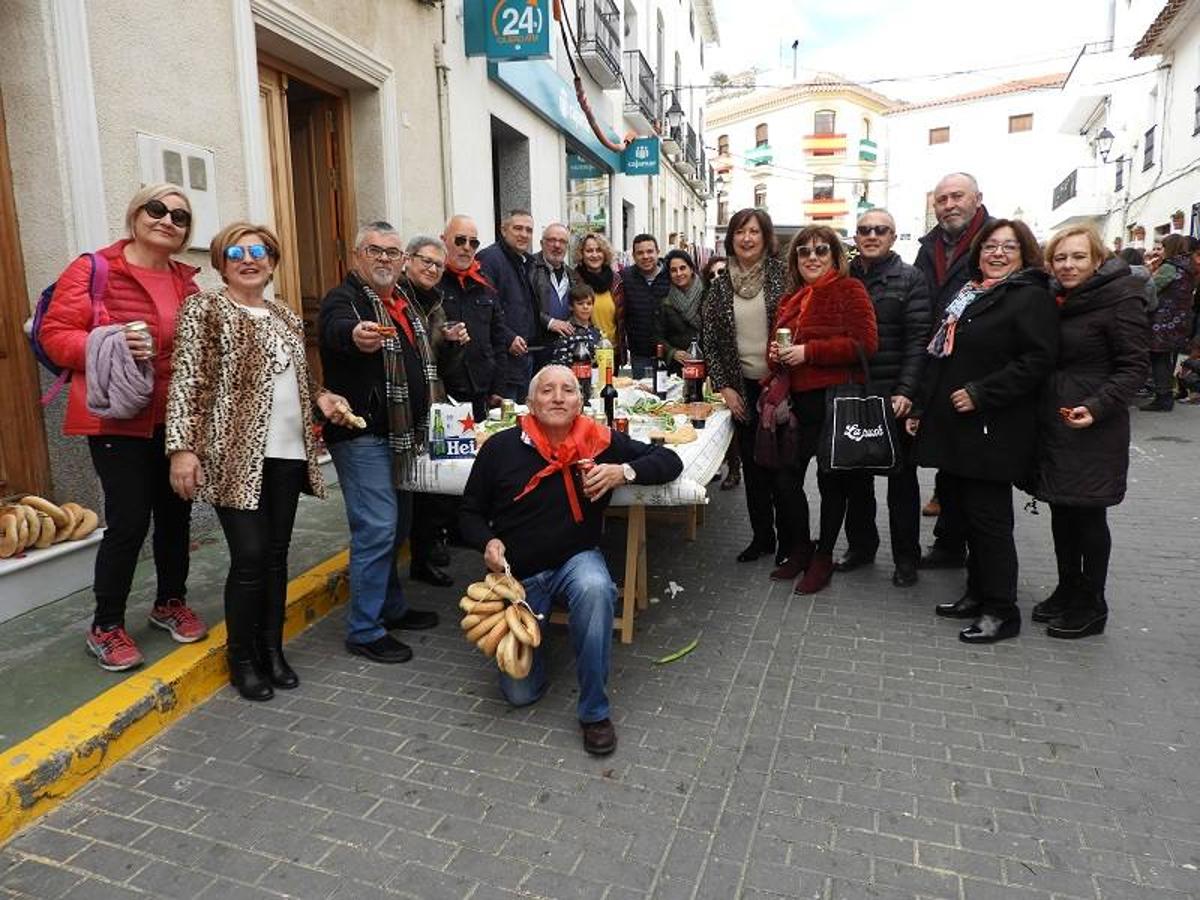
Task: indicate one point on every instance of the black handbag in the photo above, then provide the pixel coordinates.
(859, 433)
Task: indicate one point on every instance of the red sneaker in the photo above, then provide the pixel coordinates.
(178, 618)
(114, 648)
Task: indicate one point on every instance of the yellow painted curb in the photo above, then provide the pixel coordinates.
(42, 771)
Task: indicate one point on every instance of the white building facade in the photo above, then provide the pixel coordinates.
(809, 153)
(519, 139)
(1135, 119)
(1007, 136)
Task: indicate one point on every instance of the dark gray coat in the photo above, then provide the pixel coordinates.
(1103, 359)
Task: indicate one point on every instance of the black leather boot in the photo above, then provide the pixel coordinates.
(1059, 601)
(244, 675)
(268, 645)
(241, 624)
(1086, 614)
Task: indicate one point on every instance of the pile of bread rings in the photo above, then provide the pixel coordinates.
(500, 623)
(36, 523)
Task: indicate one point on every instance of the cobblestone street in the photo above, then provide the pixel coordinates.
(838, 746)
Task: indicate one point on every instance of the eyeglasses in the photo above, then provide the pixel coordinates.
(374, 251)
(237, 252)
(879, 230)
(819, 250)
(156, 209)
(428, 263)
(461, 240)
(1008, 248)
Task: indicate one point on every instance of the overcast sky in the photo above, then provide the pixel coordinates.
(870, 39)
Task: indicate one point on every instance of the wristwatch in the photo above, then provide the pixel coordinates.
(630, 473)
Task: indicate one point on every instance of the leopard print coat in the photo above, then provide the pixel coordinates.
(717, 328)
(219, 401)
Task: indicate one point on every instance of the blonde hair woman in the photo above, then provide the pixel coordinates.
(240, 436)
(135, 280)
(594, 263)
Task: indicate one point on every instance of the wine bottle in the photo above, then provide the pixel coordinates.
(660, 373)
(609, 394)
(581, 366)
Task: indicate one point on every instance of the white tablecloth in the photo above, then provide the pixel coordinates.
(701, 460)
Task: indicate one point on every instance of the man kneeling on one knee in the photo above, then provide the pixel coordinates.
(535, 499)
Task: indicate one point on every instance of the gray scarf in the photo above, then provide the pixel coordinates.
(688, 302)
(747, 283)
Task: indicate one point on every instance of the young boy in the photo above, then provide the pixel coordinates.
(582, 299)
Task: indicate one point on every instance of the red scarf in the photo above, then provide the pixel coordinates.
(792, 309)
(473, 272)
(397, 307)
(587, 439)
(940, 262)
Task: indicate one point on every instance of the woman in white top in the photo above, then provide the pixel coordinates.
(240, 436)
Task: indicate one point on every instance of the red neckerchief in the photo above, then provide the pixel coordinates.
(587, 439)
(940, 262)
(792, 309)
(472, 272)
(397, 307)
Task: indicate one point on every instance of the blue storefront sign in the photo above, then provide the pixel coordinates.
(641, 157)
(507, 29)
(542, 89)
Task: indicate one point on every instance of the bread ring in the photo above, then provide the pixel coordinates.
(86, 525)
(470, 620)
(469, 606)
(489, 642)
(47, 534)
(22, 532)
(466, 604)
(35, 519)
(64, 531)
(506, 587)
(10, 531)
(506, 653)
(41, 504)
(529, 620)
(484, 627)
(522, 661)
(480, 592)
(516, 626)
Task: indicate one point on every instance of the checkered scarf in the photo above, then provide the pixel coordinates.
(406, 433)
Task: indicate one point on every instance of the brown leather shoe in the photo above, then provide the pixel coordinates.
(795, 563)
(599, 738)
(817, 576)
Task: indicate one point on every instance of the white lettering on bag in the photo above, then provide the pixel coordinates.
(857, 433)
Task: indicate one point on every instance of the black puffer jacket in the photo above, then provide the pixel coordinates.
(901, 300)
(718, 333)
(1005, 346)
(1103, 358)
(481, 370)
(643, 308)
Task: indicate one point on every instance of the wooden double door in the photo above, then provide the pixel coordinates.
(306, 124)
(24, 461)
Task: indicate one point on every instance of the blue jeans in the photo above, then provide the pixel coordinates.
(583, 584)
(379, 518)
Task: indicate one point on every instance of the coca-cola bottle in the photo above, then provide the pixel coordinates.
(581, 366)
(694, 373)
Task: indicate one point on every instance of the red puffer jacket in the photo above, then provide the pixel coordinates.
(838, 316)
(126, 298)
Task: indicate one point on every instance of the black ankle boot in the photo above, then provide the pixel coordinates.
(268, 646)
(1087, 614)
(1058, 602)
(244, 675)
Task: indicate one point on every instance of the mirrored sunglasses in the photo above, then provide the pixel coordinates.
(820, 251)
(256, 252)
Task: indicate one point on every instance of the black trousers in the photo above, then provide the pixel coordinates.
(134, 474)
(258, 542)
(949, 533)
(904, 517)
(986, 512)
(1162, 370)
(1082, 544)
(775, 498)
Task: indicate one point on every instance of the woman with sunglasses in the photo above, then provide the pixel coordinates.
(832, 324)
(977, 413)
(735, 322)
(134, 280)
(594, 263)
(240, 436)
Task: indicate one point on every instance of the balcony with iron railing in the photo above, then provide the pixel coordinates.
(641, 90)
(599, 23)
(868, 152)
(761, 155)
(1081, 197)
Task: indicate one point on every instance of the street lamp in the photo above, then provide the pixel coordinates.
(1104, 142)
(674, 112)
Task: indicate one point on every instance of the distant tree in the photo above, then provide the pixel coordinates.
(719, 79)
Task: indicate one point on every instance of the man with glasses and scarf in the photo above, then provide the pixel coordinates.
(377, 353)
(901, 300)
(552, 281)
(942, 259)
(468, 297)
